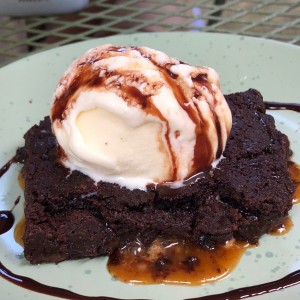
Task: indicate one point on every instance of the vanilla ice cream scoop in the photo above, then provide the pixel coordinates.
(135, 116)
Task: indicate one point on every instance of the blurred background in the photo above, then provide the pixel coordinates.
(279, 20)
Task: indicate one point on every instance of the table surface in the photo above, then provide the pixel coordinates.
(278, 20)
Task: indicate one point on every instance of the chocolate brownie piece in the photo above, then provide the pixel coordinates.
(253, 131)
(68, 216)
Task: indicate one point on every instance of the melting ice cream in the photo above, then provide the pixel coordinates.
(135, 116)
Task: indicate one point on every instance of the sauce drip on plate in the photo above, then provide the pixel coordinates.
(6, 221)
(282, 106)
(294, 170)
(7, 218)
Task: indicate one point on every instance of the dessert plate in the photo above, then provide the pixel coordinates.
(243, 62)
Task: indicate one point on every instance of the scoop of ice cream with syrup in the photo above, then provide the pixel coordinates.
(135, 116)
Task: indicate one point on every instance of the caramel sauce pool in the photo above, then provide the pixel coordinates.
(294, 170)
(19, 232)
(20, 227)
(173, 262)
(21, 180)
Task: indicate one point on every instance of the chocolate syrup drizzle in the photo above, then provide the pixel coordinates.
(282, 106)
(5, 168)
(241, 293)
(6, 221)
(7, 218)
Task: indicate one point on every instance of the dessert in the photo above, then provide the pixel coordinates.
(77, 207)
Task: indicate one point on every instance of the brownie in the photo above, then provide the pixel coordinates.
(69, 216)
